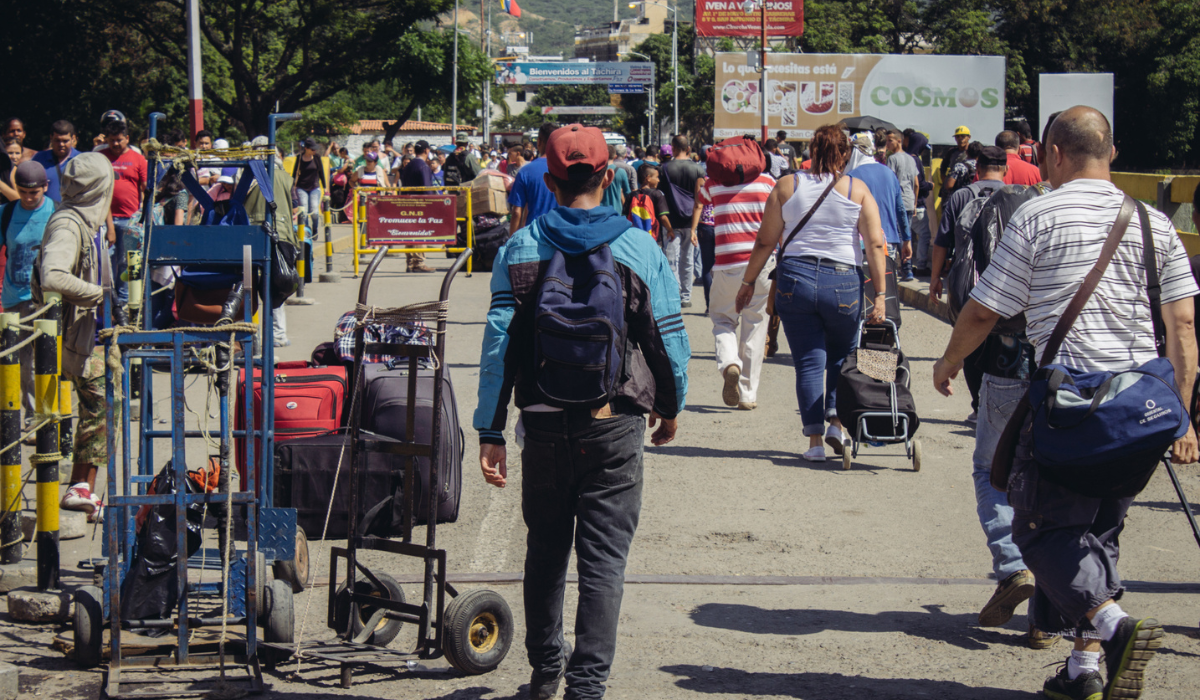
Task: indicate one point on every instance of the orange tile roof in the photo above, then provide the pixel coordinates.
(371, 125)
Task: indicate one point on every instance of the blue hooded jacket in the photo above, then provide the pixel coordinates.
(654, 377)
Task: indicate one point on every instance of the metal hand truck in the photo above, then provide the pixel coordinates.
(270, 532)
(367, 609)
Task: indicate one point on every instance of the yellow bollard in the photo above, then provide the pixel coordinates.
(10, 433)
(46, 401)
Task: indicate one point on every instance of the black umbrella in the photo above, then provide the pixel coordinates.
(867, 123)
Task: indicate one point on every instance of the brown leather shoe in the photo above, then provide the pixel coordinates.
(1011, 592)
(1037, 639)
(420, 268)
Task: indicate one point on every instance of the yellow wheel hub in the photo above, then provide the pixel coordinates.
(485, 631)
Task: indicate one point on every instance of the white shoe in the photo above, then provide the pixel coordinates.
(837, 439)
(815, 454)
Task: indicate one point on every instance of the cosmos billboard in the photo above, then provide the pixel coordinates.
(933, 94)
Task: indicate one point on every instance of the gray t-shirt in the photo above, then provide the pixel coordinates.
(906, 171)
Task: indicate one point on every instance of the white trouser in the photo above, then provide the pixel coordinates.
(740, 338)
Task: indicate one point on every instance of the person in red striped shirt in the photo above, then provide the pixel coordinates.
(740, 337)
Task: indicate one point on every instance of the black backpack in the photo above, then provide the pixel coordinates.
(961, 278)
(979, 244)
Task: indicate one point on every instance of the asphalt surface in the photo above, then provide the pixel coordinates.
(753, 572)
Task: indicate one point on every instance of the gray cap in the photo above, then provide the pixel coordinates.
(30, 174)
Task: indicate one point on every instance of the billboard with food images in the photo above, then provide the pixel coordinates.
(933, 94)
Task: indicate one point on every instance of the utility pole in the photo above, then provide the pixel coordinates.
(762, 85)
(454, 83)
(195, 84)
(485, 43)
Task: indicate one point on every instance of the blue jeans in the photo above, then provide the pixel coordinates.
(310, 210)
(707, 236)
(679, 254)
(820, 306)
(118, 261)
(998, 399)
(581, 484)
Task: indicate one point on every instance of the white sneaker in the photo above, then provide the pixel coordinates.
(79, 497)
(837, 439)
(815, 454)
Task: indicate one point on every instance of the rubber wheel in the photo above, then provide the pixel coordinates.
(280, 624)
(295, 571)
(89, 625)
(387, 629)
(260, 584)
(916, 455)
(477, 631)
(846, 457)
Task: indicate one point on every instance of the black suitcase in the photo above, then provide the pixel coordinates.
(385, 411)
(304, 471)
(891, 309)
(858, 394)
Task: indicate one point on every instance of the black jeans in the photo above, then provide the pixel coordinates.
(581, 483)
(707, 236)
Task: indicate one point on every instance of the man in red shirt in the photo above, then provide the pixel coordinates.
(129, 181)
(739, 337)
(1019, 172)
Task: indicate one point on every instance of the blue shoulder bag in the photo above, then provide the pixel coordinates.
(1102, 434)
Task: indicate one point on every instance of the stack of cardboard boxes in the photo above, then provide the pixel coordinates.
(488, 196)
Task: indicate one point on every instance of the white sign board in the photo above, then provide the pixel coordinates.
(579, 110)
(1059, 91)
(933, 94)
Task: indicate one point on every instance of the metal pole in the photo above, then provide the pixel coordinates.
(10, 431)
(195, 84)
(486, 40)
(46, 371)
(762, 84)
(675, 61)
(329, 275)
(454, 83)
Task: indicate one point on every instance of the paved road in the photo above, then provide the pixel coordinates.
(889, 567)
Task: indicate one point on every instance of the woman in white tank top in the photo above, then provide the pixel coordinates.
(819, 288)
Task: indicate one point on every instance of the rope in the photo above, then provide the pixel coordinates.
(223, 689)
(181, 158)
(423, 312)
(36, 334)
(35, 314)
(115, 366)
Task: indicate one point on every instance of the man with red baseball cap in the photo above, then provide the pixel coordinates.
(597, 493)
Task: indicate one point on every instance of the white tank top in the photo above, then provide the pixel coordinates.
(832, 232)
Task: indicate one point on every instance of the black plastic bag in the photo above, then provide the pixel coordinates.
(285, 278)
(150, 589)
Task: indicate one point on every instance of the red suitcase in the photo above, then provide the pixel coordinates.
(308, 402)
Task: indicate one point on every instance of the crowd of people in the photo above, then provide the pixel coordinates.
(795, 243)
(790, 248)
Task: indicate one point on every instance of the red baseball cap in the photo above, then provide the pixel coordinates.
(573, 146)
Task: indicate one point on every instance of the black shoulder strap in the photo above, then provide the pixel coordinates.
(5, 220)
(1153, 287)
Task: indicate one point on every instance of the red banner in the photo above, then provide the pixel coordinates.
(729, 18)
(411, 220)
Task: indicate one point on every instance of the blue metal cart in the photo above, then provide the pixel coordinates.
(270, 533)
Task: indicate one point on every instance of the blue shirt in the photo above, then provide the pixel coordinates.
(885, 188)
(23, 239)
(620, 187)
(530, 191)
(46, 160)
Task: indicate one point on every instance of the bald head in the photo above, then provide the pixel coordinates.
(1082, 134)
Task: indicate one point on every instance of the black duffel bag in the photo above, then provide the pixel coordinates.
(858, 394)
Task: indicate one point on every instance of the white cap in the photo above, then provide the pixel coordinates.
(225, 180)
(220, 143)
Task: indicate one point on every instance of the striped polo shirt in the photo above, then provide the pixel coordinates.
(737, 216)
(1049, 246)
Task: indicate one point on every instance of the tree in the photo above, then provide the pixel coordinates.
(288, 54)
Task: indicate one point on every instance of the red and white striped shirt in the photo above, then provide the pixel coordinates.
(738, 214)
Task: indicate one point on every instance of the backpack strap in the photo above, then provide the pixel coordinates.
(5, 220)
(1115, 234)
(199, 194)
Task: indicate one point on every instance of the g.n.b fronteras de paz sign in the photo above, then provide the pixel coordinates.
(410, 220)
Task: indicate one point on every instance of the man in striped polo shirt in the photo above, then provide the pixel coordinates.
(740, 337)
(1068, 540)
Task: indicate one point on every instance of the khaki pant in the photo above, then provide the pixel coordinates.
(740, 338)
